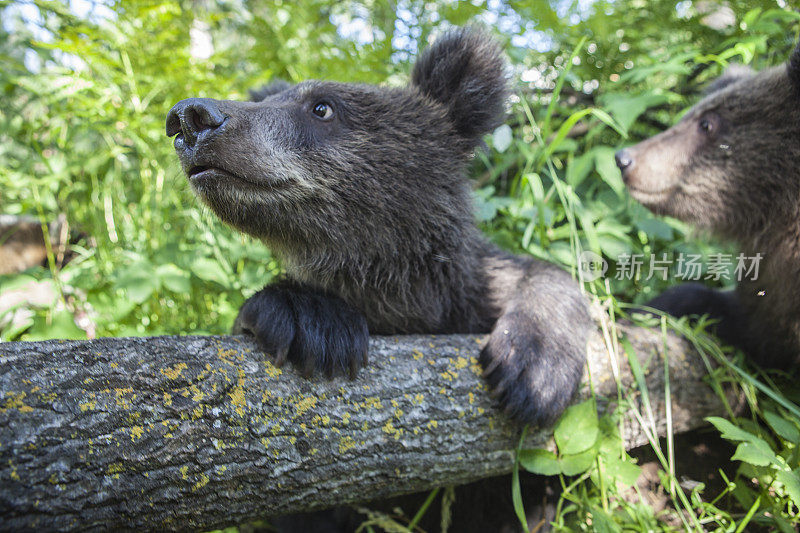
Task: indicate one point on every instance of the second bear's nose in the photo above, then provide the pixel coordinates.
(623, 159)
(193, 117)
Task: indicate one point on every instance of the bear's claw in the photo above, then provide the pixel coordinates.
(317, 332)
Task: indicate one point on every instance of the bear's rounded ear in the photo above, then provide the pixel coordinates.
(731, 75)
(793, 67)
(464, 70)
(274, 87)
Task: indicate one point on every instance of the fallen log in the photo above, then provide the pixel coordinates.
(201, 432)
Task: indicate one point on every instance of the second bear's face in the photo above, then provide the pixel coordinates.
(730, 164)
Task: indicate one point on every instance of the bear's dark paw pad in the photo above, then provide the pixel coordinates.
(529, 375)
(318, 333)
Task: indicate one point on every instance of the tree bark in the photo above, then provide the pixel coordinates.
(201, 432)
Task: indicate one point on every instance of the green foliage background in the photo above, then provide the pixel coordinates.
(86, 86)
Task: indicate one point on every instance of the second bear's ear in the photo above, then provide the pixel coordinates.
(464, 70)
(274, 87)
(731, 75)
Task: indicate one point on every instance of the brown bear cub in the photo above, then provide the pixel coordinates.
(732, 165)
(362, 192)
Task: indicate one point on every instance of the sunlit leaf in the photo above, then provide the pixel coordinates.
(577, 429)
(538, 461)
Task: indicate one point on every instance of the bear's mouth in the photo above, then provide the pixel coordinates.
(649, 196)
(200, 173)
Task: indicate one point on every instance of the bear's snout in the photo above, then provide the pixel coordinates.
(624, 160)
(194, 118)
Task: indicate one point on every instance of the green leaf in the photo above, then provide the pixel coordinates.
(612, 246)
(60, 326)
(755, 454)
(538, 461)
(621, 471)
(791, 482)
(577, 429)
(753, 449)
(588, 229)
(676, 65)
(138, 281)
(602, 522)
(782, 427)
(626, 108)
(14, 329)
(572, 120)
(110, 307)
(607, 168)
(783, 525)
(579, 168)
(516, 499)
(654, 227)
(210, 270)
(174, 278)
(578, 463)
(730, 431)
(750, 17)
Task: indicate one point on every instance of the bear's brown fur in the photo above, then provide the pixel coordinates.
(731, 166)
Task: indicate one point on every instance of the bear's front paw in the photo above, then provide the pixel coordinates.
(315, 331)
(533, 372)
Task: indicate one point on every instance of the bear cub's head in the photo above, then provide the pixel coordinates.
(731, 163)
(330, 165)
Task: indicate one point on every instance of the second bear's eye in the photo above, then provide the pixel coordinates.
(323, 110)
(708, 124)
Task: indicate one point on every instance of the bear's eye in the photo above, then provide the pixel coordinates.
(708, 124)
(323, 110)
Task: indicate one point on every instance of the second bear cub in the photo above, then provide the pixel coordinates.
(731, 166)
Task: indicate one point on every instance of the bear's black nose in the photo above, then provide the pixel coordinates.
(623, 159)
(194, 117)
